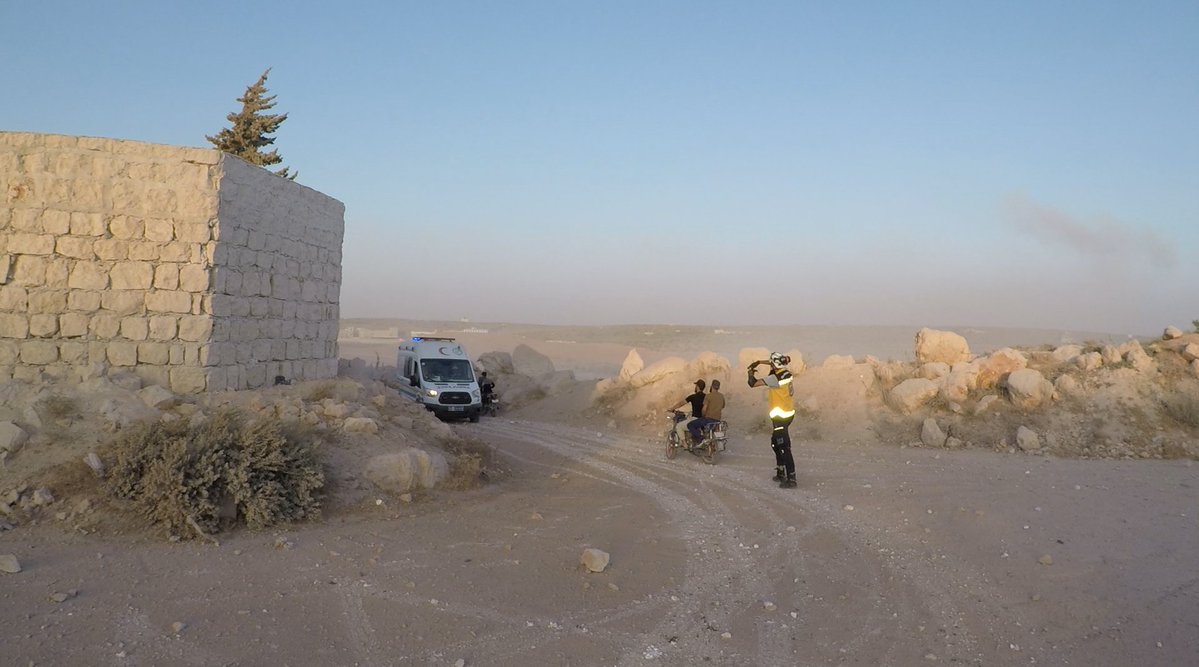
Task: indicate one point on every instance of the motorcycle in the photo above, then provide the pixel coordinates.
(713, 438)
(491, 403)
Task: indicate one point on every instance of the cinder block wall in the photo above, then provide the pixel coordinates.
(194, 269)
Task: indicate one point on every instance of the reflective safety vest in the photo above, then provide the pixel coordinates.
(782, 405)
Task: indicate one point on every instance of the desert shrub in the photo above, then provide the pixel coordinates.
(1183, 408)
(179, 475)
(1195, 324)
(318, 391)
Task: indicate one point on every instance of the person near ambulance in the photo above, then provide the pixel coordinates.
(781, 397)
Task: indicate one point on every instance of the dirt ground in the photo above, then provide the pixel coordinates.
(884, 555)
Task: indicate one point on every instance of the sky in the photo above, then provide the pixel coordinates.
(1002, 164)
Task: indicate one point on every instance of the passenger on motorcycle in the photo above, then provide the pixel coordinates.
(713, 407)
(696, 400)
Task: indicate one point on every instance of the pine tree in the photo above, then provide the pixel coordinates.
(252, 127)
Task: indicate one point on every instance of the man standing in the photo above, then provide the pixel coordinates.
(780, 394)
(713, 408)
(696, 399)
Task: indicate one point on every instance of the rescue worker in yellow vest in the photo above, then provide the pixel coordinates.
(780, 394)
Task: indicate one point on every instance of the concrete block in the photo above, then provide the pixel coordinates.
(14, 325)
(166, 276)
(135, 328)
(121, 353)
(163, 327)
(168, 301)
(76, 247)
(39, 352)
(87, 276)
(43, 325)
(132, 275)
(72, 325)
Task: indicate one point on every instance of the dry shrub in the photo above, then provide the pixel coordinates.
(1183, 408)
(179, 475)
(318, 391)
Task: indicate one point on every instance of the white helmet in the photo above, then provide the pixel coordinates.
(778, 359)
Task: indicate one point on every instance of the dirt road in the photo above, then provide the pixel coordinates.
(883, 556)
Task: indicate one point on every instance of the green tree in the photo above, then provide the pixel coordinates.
(252, 128)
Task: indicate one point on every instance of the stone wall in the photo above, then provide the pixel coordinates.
(193, 269)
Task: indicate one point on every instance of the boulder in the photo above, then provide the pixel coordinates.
(158, 397)
(1065, 353)
(934, 370)
(1065, 385)
(496, 363)
(1110, 354)
(909, 395)
(708, 365)
(11, 437)
(659, 371)
(1027, 388)
(530, 362)
(1027, 439)
(944, 346)
(1171, 333)
(931, 434)
(998, 364)
(1190, 352)
(956, 386)
(1138, 358)
(594, 560)
(1089, 361)
(407, 470)
(631, 366)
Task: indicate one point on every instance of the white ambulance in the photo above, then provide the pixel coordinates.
(437, 373)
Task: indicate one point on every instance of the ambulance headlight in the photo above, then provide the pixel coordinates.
(431, 392)
(475, 393)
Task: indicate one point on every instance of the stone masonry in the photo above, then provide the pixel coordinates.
(195, 270)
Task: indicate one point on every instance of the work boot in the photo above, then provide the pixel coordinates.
(788, 483)
(779, 474)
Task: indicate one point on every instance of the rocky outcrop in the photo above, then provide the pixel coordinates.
(530, 362)
(632, 365)
(998, 364)
(658, 371)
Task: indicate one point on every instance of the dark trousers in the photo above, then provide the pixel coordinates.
(780, 442)
(696, 427)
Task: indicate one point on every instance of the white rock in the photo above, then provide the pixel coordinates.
(9, 564)
(1065, 385)
(1089, 361)
(931, 434)
(1065, 353)
(407, 470)
(658, 371)
(984, 403)
(1027, 439)
(911, 394)
(595, 560)
(934, 370)
(631, 366)
(158, 397)
(530, 362)
(11, 437)
(1027, 388)
(944, 346)
(998, 364)
(1191, 351)
(1171, 333)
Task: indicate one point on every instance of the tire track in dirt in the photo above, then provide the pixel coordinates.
(726, 499)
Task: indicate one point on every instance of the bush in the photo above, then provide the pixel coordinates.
(180, 476)
(1183, 408)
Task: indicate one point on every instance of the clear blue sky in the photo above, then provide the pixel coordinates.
(994, 164)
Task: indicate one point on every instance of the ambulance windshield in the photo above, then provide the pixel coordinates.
(446, 370)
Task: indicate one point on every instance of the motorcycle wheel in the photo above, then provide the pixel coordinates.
(672, 445)
(709, 455)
